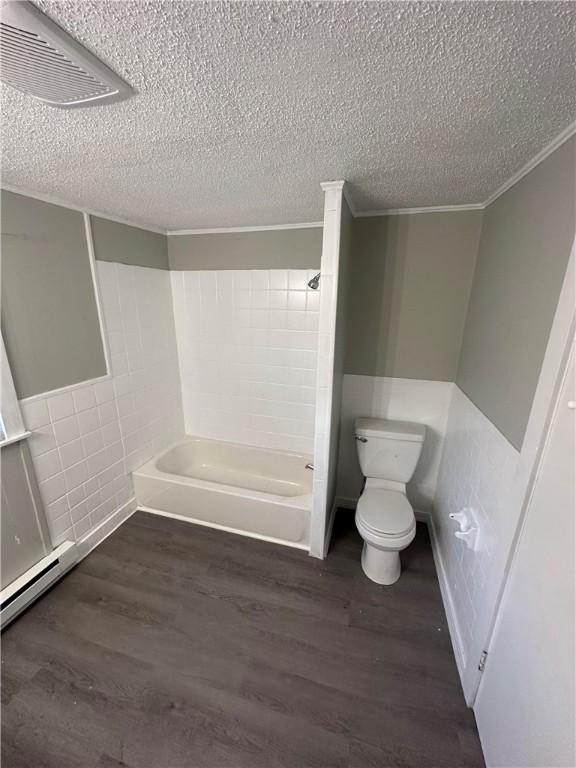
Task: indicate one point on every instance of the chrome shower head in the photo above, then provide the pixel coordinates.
(314, 282)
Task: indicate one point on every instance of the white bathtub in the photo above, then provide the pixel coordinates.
(256, 492)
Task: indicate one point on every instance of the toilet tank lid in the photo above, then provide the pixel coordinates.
(390, 430)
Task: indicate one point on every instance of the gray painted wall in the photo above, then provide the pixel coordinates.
(125, 244)
(267, 249)
(408, 295)
(49, 314)
(524, 250)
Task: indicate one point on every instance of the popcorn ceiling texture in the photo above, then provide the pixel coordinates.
(243, 108)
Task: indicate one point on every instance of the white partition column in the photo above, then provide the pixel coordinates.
(329, 376)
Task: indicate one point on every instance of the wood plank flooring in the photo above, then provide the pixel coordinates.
(177, 646)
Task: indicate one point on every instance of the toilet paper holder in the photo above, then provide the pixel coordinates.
(469, 531)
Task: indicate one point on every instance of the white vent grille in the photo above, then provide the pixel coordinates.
(40, 59)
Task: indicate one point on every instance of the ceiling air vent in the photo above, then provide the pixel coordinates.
(40, 59)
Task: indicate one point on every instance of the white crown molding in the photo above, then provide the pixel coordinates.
(424, 209)
(557, 142)
(91, 212)
(262, 228)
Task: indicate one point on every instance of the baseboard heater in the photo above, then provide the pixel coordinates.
(36, 580)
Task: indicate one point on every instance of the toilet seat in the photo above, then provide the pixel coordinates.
(385, 513)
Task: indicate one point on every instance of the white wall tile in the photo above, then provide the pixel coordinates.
(245, 356)
(35, 414)
(84, 398)
(425, 402)
(42, 440)
(66, 430)
(47, 465)
(71, 453)
(88, 420)
(52, 489)
(60, 406)
(77, 434)
(477, 470)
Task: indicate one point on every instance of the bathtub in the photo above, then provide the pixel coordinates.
(256, 492)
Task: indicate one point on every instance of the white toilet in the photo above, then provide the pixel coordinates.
(388, 452)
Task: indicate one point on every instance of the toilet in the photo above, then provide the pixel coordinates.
(388, 452)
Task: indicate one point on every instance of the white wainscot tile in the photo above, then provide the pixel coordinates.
(71, 453)
(108, 412)
(78, 512)
(66, 430)
(104, 391)
(61, 529)
(93, 442)
(35, 413)
(57, 508)
(76, 496)
(60, 406)
(84, 398)
(42, 440)
(47, 465)
(111, 433)
(76, 475)
(52, 489)
(89, 420)
(82, 527)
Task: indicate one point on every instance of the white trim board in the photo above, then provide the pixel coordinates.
(424, 209)
(54, 200)
(262, 228)
(545, 152)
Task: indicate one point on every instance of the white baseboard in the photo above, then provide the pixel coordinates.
(446, 592)
(63, 557)
(106, 527)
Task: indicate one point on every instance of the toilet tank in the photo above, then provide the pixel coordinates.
(389, 450)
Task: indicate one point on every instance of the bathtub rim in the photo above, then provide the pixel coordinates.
(150, 470)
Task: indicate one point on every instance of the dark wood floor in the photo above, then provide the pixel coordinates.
(177, 646)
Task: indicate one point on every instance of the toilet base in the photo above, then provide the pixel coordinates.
(381, 566)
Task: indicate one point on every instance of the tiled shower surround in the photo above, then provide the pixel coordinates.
(247, 343)
(87, 440)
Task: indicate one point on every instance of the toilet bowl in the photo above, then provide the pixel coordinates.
(388, 452)
(385, 520)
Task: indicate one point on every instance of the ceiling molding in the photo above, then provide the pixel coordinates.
(64, 204)
(424, 209)
(263, 228)
(557, 142)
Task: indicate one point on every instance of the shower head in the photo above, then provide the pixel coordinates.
(314, 282)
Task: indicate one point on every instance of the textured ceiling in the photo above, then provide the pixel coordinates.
(243, 108)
